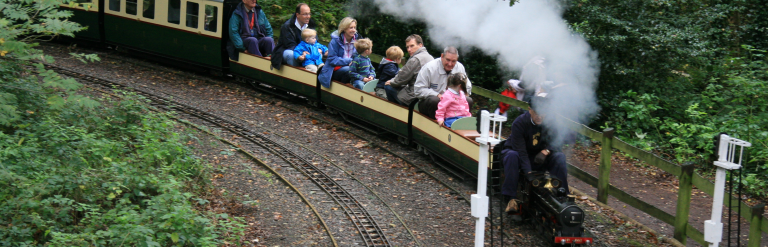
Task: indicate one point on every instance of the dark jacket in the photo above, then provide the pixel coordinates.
(290, 37)
(388, 69)
(335, 58)
(237, 30)
(361, 67)
(528, 140)
(405, 79)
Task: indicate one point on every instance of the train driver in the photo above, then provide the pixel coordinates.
(528, 149)
(432, 80)
(249, 29)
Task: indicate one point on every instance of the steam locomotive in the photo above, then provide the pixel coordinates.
(553, 212)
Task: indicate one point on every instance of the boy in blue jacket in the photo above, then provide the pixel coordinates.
(388, 69)
(361, 71)
(311, 50)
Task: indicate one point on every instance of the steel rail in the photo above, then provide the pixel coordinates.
(369, 229)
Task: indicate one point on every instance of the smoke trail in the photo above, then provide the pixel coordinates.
(516, 34)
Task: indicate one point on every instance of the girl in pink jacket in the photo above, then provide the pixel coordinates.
(453, 104)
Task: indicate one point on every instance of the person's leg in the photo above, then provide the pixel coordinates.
(341, 75)
(288, 58)
(266, 46)
(429, 106)
(251, 44)
(557, 167)
(511, 161)
(312, 68)
(380, 92)
(449, 121)
(358, 84)
(391, 93)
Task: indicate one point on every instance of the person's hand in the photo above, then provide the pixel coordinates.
(350, 63)
(440, 95)
(326, 53)
(388, 82)
(366, 79)
(540, 157)
(246, 52)
(301, 58)
(529, 176)
(545, 151)
(304, 53)
(440, 123)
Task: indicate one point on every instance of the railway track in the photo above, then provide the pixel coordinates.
(370, 231)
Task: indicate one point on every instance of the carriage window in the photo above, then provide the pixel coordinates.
(130, 7)
(114, 5)
(174, 11)
(211, 12)
(149, 9)
(193, 9)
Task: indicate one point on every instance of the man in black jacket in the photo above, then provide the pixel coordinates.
(530, 148)
(290, 36)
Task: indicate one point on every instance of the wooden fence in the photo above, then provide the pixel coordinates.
(685, 173)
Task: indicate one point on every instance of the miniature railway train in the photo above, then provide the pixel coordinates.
(194, 33)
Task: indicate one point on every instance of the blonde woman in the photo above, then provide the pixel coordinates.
(340, 51)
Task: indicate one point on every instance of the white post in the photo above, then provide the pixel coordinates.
(480, 200)
(713, 229)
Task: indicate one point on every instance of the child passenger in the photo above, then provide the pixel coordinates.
(388, 68)
(453, 104)
(361, 71)
(311, 50)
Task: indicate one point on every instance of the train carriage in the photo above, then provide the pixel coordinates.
(194, 32)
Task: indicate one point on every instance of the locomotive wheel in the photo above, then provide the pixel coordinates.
(331, 110)
(402, 140)
(313, 103)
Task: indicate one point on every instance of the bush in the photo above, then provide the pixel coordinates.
(75, 174)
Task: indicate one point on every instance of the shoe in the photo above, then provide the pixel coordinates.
(512, 206)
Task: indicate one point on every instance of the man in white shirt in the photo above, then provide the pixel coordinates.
(433, 80)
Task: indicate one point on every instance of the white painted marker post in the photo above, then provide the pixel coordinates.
(480, 200)
(713, 229)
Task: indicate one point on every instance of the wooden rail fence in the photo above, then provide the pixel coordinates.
(685, 173)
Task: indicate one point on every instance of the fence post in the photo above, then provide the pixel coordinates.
(754, 226)
(604, 170)
(683, 202)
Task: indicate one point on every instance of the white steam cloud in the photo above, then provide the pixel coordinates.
(516, 34)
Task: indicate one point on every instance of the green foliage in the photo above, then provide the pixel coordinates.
(676, 72)
(325, 13)
(75, 174)
(103, 176)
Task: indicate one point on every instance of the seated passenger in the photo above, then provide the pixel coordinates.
(311, 50)
(404, 80)
(388, 68)
(361, 70)
(514, 91)
(529, 148)
(249, 30)
(290, 36)
(432, 80)
(453, 105)
(340, 51)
